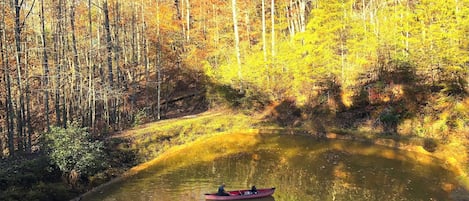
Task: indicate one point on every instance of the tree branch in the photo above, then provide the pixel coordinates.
(27, 14)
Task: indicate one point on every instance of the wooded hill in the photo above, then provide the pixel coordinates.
(111, 64)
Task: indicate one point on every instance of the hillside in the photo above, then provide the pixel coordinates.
(77, 75)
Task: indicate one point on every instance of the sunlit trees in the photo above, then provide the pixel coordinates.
(439, 47)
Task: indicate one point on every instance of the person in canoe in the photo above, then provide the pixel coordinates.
(253, 190)
(221, 191)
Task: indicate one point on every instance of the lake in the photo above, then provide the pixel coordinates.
(301, 168)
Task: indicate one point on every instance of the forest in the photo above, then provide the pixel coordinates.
(101, 66)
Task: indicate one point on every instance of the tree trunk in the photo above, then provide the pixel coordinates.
(178, 9)
(107, 88)
(145, 44)
(158, 61)
(57, 80)
(248, 28)
(18, 55)
(216, 38)
(77, 91)
(117, 45)
(264, 44)
(236, 37)
(291, 25)
(91, 101)
(302, 15)
(188, 20)
(343, 41)
(264, 41)
(117, 52)
(158, 70)
(134, 40)
(63, 62)
(108, 42)
(272, 18)
(45, 66)
(27, 136)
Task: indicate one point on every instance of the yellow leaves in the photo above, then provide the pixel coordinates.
(463, 107)
(343, 40)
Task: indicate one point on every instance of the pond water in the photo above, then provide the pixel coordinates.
(300, 167)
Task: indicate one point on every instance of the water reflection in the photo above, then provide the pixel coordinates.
(270, 198)
(299, 167)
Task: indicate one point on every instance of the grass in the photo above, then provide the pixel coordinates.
(150, 140)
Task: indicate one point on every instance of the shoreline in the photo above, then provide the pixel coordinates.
(450, 163)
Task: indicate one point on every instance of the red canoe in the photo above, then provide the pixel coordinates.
(241, 194)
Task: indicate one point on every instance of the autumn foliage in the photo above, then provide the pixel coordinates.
(107, 64)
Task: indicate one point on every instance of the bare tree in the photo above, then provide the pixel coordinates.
(6, 69)
(19, 54)
(108, 42)
(45, 66)
(117, 57)
(58, 32)
(91, 68)
(29, 130)
(20, 111)
(77, 91)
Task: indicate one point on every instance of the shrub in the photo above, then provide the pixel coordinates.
(390, 120)
(139, 118)
(73, 151)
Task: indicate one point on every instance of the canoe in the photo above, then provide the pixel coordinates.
(241, 194)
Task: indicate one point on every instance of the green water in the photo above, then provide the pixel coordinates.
(301, 168)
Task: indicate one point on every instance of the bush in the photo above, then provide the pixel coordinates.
(73, 151)
(139, 118)
(390, 120)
